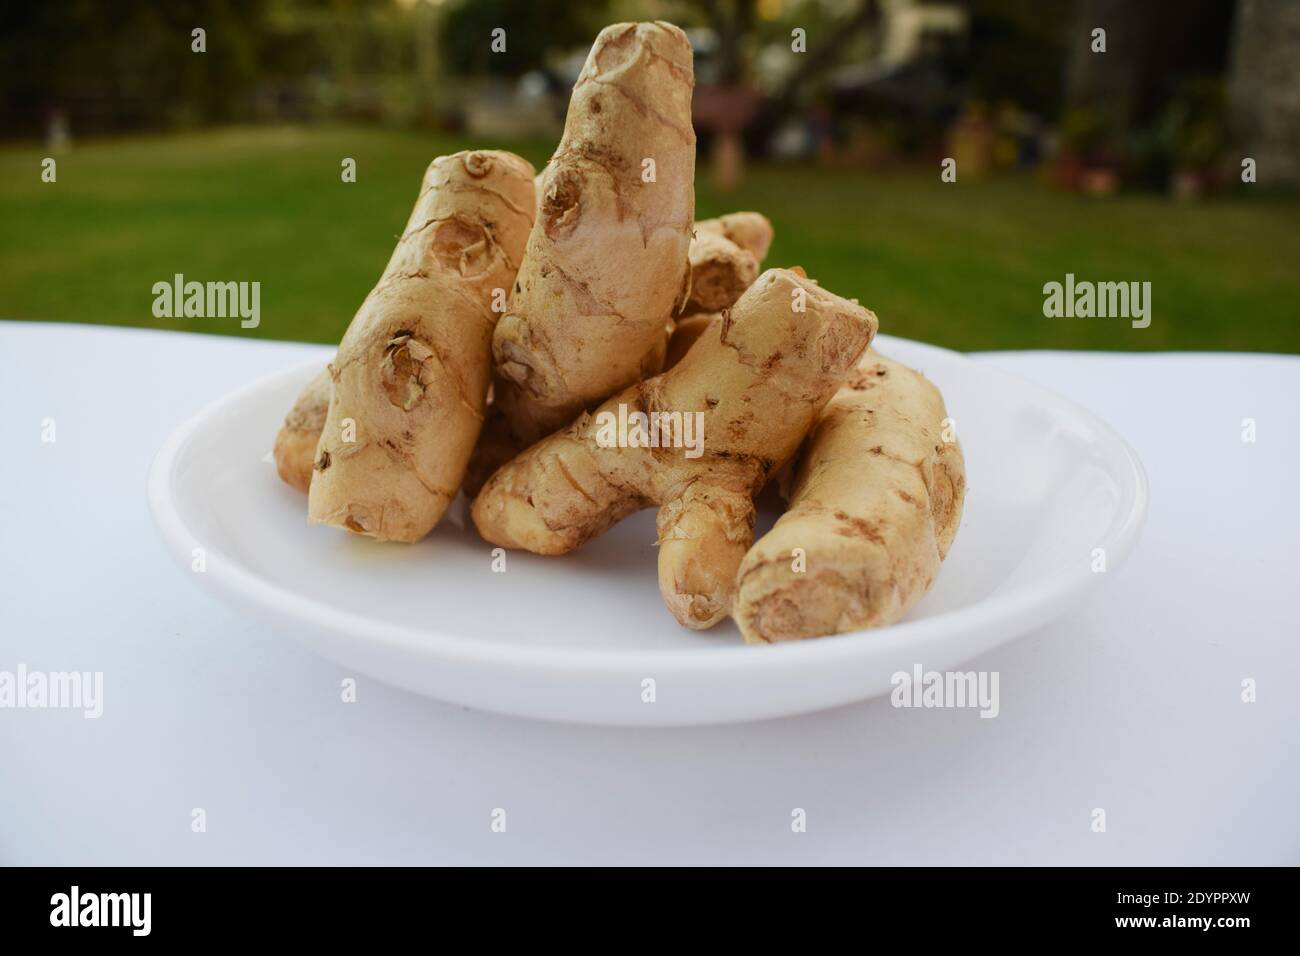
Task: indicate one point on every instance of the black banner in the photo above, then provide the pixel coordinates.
(335, 905)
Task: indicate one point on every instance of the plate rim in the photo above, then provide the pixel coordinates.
(237, 581)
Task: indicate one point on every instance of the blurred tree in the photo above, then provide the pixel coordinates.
(125, 64)
(129, 64)
(1016, 50)
(827, 52)
(533, 29)
(732, 21)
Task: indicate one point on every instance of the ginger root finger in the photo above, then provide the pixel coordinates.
(295, 442)
(606, 263)
(410, 380)
(876, 502)
(749, 390)
(703, 537)
(725, 255)
(752, 231)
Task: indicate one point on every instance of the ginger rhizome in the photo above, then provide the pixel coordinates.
(725, 255)
(751, 386)
(295, 443)
(876, 501)
(606, 264)
(410, 380)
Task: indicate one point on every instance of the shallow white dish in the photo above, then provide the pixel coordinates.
(575, 638)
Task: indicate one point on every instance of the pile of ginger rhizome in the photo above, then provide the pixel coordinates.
(590, 295)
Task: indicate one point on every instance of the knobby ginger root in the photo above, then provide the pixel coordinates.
(750, 389)
(606, 264)
(295, 443)
(725, 255)
(410, 380)
(876, 501)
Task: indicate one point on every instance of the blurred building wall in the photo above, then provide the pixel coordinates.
(1265, 87)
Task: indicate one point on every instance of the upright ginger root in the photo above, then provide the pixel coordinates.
(606, 264)
(747, 392)
(410, 380)
(725, 255)
(876, 502)
(295, 443)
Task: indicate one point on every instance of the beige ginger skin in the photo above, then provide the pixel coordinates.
(295, 443)
(410, 380)
(606, 264)
(725, 255)
(760, 375)
(876, 501)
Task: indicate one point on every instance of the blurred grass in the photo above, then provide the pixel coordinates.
(961, 265)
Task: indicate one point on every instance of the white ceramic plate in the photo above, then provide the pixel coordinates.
(574, 638)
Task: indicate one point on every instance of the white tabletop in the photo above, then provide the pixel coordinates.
(1132, 704)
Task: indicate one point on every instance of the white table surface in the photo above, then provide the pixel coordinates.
(1132, 704)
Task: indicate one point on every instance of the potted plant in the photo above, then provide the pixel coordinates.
(1090, 156)
(1194, 133)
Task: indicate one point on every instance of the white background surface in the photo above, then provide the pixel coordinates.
(1133, 704)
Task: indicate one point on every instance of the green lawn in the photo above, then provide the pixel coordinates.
(961, 265)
